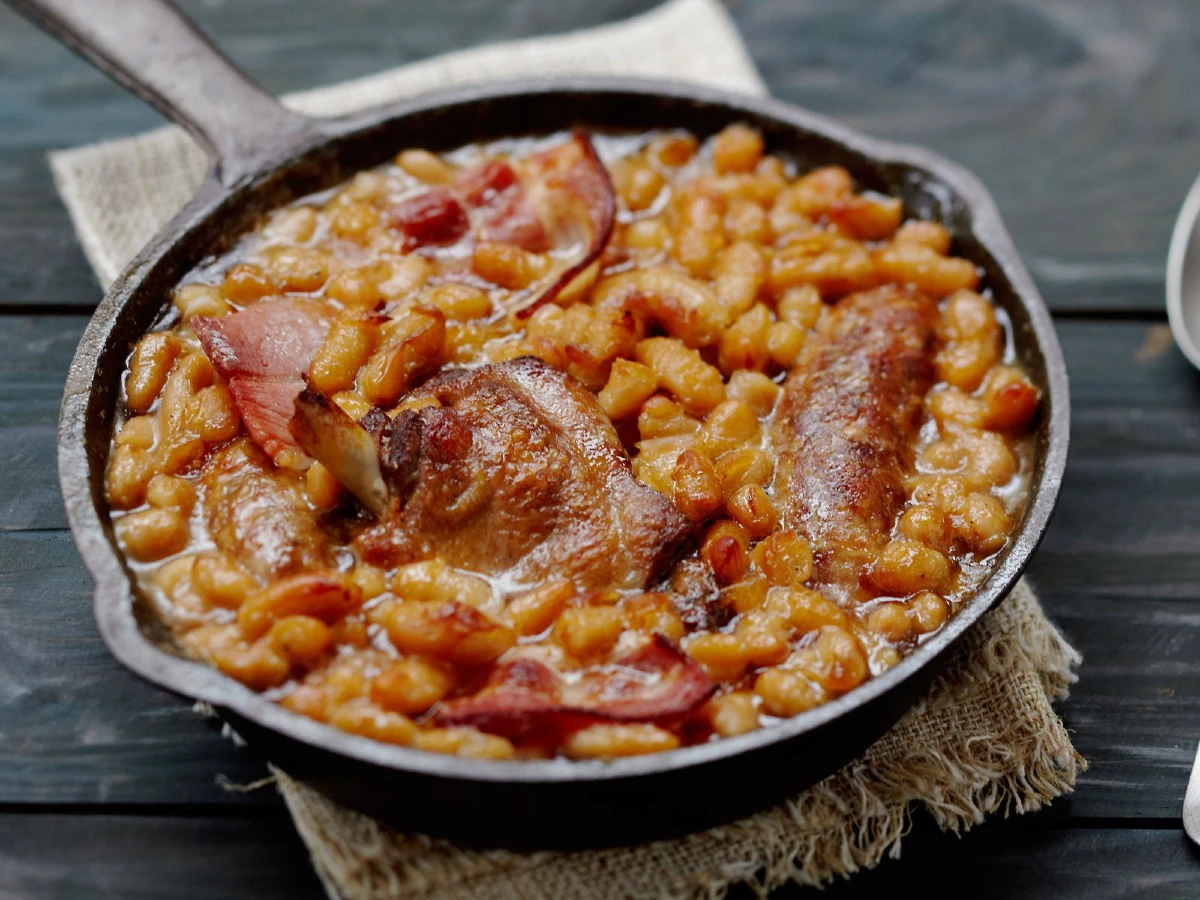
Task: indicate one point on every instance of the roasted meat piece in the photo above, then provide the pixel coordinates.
(514, 471)
(846, 426)
(258, 514)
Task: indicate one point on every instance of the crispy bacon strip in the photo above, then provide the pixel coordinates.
(490, 197)
(561, 201)
(656, 683)
(576, 200)
(263, 352)
(846, 426)
(503, 209)
(436, 217)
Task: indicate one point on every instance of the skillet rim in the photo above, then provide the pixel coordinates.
(113, 602)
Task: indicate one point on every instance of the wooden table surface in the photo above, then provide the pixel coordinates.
(1082, 116)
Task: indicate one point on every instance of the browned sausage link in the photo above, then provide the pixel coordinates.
(846, 427)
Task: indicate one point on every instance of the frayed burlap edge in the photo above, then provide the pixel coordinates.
(984, 741)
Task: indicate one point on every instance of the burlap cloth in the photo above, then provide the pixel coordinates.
(985, 740)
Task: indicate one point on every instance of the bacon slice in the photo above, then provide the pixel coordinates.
(488, 197)
(846, 426)
(482, 184)
(436, 217)
(576, 200)
(522, 698)
(268, 339)
(559, 201)
(263, 352)
(265, 406)
(504, 211)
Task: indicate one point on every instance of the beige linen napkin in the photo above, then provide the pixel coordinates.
(985, 740)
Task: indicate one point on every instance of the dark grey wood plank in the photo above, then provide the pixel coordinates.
(72, 857)
(75, 727)
(41, 263)
(64, 857)
(1118, 571)
(1080, 117)
(997, 860)
(35, 353)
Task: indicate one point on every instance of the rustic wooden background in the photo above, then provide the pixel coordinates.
(1082, 116)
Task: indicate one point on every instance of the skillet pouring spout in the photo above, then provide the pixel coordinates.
(266, 156)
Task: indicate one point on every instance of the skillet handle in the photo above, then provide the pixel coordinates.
(149, 47)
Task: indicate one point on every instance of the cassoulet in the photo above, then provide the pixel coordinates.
(582, 445)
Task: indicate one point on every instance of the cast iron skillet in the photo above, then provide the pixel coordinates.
(263, 156)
